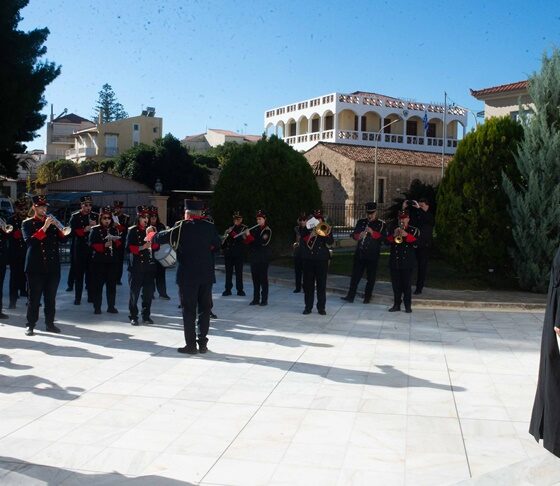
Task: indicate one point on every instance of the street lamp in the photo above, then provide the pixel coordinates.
(377, 136)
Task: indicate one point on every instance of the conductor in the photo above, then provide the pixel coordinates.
(195, 239)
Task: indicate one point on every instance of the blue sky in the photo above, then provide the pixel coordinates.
(221, 64)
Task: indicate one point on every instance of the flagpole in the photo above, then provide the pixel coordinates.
(444, 130)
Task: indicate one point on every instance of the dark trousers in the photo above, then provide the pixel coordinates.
(46, 285)
(196, 300)
(234, 263)
(141, 282)
(103, 274)
(2, 275)
(161, 284)
(422, 255)
(81, 266)
(298, 270)
(370, 266)
(401, 280)
(259, 273)
(18, 282)
(119, 256)
(315, 275)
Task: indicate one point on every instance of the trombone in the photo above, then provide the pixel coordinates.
(65, 230)
(5, 227)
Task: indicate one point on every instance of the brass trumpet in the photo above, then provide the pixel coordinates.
(322, 229)
(66, 230)
(5, 227)
(399, 237)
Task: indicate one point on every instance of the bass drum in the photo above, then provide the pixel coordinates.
(165, 256)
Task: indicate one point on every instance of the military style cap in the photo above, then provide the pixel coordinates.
(85, 199)
(371, 207)
(39, 200)
(194, 205)
(261, 213)
(153, 210)
(20, 204)
(106, 210)
(118, 204)
(317, 213)
(142, 210)
(236, 214)
(404, 214)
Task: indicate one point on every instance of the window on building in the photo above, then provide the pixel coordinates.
(364, 124)
(386, 122)
(136, 127)
(155, 130)
(380, 189)
(315, 125)
(329, 122)
(431, 132)
(411, 127)
(356, 122)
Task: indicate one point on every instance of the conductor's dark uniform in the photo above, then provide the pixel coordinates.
(195, 240)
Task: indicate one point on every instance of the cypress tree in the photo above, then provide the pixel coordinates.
(534, 200)
(472, 224)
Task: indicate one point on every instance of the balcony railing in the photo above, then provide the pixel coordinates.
(81, 152)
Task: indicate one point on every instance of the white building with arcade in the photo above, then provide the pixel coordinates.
(362, 118)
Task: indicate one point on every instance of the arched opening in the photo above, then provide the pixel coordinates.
(302, 127)
(348, 120)
(434, 134)
(270, 129)
(371, 122)
(393, 128)
(455, 133)
(415, 130)
(280, 129)
(291, 128)
(315, 123)
(328, 120)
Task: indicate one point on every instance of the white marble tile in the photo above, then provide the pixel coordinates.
(240, 473)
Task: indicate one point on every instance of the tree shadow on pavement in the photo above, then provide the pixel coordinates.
(15, 471)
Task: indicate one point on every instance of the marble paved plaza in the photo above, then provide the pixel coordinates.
(357, 397)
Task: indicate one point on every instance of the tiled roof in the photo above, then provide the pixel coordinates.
(252, 138)
(71, 118)
(503, 88)
(361, 153)
(194, 138)
(227, 133)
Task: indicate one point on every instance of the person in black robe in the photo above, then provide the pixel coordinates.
(545, 419)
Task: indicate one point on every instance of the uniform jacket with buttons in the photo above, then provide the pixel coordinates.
(99, 252)
(78, 223)
(141, 260)
(403, 255)
(368, 248)
(42, 247)
(258, 240)
(232, 245)
(16, 243)
(196, 241)
(315, 247)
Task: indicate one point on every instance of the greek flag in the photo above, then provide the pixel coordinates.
(425, 120)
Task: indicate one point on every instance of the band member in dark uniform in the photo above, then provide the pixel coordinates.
(81, 223)
(370, 233)
(4, 238)
(195, 240)
(299, 232)
(141, 268)
(160, 283)
(104, 240)
(233, 255)
(422, 218)
(258, 238)
(316, 256)
(17, 251)
(402, 238)
(42, 264)
(122, 222)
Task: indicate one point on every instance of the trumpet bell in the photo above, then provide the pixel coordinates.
(8, 228)
(398, 239)
(323, 229)
(66, 230)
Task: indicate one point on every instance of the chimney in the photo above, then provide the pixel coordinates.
(52, 113)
